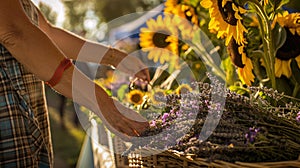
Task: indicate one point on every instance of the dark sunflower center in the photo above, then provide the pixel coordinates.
(136, 98)
(297, 21)
(235, 56)
(188, 13)
(227, 13)
(290, 48)
(183, 90)
(159, 39)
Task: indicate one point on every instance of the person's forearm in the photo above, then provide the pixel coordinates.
(33, 49)
(78, 48)
(82, 90)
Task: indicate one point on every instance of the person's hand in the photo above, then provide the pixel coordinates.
(121, 120)
(128, 64)
(134, 67)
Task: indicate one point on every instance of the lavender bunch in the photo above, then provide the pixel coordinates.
(247, 130)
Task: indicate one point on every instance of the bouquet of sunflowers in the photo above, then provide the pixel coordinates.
(256, 41)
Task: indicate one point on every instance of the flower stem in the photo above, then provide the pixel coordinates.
(200, 50)
(296, 89)
(269, 51)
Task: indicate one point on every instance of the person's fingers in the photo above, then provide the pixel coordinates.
(128, 113)
(147, 74)
(140, 127)
(134, 66)
(129, 131)
(121, 130)
(143, 74)
(126, 128)
(136, 132)
(133, 127)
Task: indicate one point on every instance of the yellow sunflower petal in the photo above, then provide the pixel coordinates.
(278, 69)
(151, 55)
(163, 56)
(242, 10)
(298, 32)
(241, 75)
(224, 2)
(234, 7)
(206, 3)
(157, 55)
(286, 68)
(237, 16)
(298, 60)
(293, 31)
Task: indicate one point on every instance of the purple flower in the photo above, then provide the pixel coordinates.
(165, 116)
(152, 123)
(298, 117)
(215, 107)
(251, 135)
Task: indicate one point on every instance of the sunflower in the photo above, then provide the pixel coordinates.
(160, 39)
(290, 49)
(290, 21)
(185, 27)
(189, 13)
(157, 96)
(226, 20)
(183, 10)
(243, 63)
(136, 97)
(170, 5)
(183, 89)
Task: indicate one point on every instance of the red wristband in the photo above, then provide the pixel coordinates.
(64, 64)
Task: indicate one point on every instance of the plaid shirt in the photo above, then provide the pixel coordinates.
(25, 139)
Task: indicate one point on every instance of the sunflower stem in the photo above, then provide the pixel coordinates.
(200, 50)
(296, 89)
(269, 51)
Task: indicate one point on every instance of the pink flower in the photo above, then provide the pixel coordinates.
(152, 123)
(298, 117)
(165, 116)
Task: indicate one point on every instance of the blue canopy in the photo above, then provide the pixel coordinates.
(132, 29)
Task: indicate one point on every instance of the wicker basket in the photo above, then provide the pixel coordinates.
(173, 159)
(119, 147)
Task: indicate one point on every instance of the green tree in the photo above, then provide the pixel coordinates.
(75, 12)
(111, 9)
(104, 10)
(48, 12)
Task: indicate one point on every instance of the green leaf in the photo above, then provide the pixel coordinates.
(283, 86)
(122, 91)
(258, 70)
(277, 4)
(251, 8)
(230, 71)
(279, 35)
(196, 37)
(194, 3)
(239, 89)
